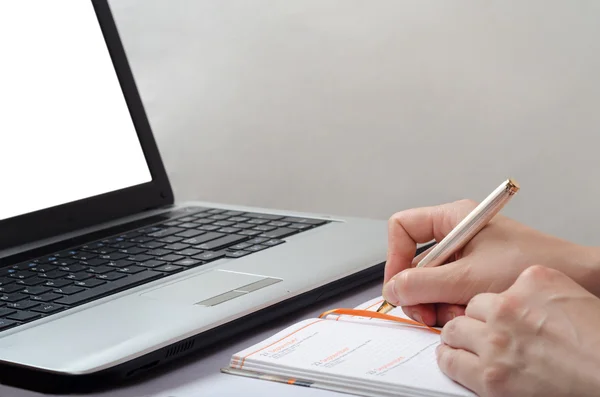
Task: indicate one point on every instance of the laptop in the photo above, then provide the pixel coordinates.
(104, 274)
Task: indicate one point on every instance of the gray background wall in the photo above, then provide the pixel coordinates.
(369, 107)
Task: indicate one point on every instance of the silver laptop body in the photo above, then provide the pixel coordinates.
(70, 317)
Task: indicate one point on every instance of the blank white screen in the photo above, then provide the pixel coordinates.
(65, 131)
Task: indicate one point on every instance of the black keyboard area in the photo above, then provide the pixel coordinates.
(183, 239)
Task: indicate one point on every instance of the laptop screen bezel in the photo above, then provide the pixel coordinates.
(109, 206)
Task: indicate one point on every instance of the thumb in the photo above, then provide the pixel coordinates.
(441, 284)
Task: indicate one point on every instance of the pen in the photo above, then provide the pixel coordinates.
(466, 229)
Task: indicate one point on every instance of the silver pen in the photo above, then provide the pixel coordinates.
(466, 229)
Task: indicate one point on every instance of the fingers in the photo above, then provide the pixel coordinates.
(459, 365)
(465, 333)
(447, 312)
(447, 284)
(420, 225)
(482, 305)
(425, 314)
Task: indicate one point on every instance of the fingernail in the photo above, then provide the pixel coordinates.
(389, 292)
(418, 317)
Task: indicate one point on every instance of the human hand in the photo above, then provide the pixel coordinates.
(538, 338)
(490, 262)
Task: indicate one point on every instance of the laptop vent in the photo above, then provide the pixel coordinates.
(180, 348)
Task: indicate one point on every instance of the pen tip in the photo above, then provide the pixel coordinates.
(385, 307)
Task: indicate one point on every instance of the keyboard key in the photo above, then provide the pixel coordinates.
(152, 263)
(204, 238)
(22, 304)
(221, 242)
(121, 263)
(204, 221)
(109, 288)
(10, 288)
(189, 252)
(257, 221)
(300, 226)
(131, 269)
(209, 228)
(177, 246)
(216, 211)
(23, 316)
(31, 281)
(72, 268)
(236, 254)
(233, 213)
(82, 256)
(257, 240)
(256, 248)
(43, 268)
(238, 219)
(22, 274)
(69, 290)
(159, 252)
(304, 220)
(166, 232)
(46, 297)
(250, 233)
(6, 280)
(36, 290)
(279, 233)
(64, 262)
(243, 226)
(115, 256)
(171, 258)
(188, 262)
(240, 246)
(268, 217)
(188, 225)
(66, 254)
(141, 240)
(264, 228)
(210, 256)
(133, 250)
(123, 245)
(57, 283)
(140, 258)
(186, 219)
(169, 268)
(153, 245)
(91, 283)
(79, 276)
(190, 233)
(5, 311)
(273, 242)
(16, 297)
(278, 223)
(100, 269)
(111, 276)
(6, 324)
(224, 223)
(47, 308)
(228, 230)
(54, 274)
(171, 239)
(219, 217)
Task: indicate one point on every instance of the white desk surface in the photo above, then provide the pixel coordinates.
(199, 376)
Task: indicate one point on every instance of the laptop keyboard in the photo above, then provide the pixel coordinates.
(185, 239)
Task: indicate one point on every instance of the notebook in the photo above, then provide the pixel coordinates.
(352, 351)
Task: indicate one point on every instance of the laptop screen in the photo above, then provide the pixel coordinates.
(65, 130)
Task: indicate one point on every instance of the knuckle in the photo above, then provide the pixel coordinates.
(447, 361)
(507, 307)
(495, 378)
(499, 340)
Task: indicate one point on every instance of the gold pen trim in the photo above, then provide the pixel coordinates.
(385, 307)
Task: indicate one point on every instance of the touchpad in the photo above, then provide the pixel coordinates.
(210, 288)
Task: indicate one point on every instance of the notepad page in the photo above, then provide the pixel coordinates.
(347, 352)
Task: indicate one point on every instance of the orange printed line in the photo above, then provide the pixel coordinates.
(277, 341)
(291, 381)
(370, 314)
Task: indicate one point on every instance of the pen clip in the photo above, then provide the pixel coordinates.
(382, 316)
